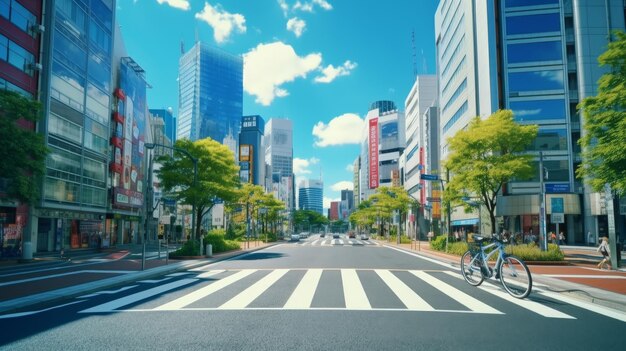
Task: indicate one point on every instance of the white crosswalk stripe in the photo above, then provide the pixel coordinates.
(336, 242)
(303, 288)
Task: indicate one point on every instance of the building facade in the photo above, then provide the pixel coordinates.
(346, 204)
(21, 34)
(169, 122)
(311, 195)
(251, 150)
(333, 211)
(279, 158)
(210, 94)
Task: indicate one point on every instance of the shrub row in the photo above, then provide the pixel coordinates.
(529, 252)
(214, 237)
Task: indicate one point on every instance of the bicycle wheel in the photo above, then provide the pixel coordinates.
(470, 268)
(515, 277)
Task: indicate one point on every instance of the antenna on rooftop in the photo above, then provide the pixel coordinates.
(414, 54)
(182, 47)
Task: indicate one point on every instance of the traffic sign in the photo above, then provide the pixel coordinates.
(557, 188)
(557, 205)
(429, 177)
(433, 199)
(557, 218)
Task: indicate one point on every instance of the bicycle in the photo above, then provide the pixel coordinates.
(510, 270)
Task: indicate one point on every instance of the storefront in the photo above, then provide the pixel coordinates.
(12, 224)
(60, 230)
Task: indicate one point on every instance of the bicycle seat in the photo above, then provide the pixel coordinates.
(479, 239)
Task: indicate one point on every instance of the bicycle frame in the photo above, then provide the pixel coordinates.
(485, 257)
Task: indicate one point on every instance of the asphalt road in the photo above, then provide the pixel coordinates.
(314, 295)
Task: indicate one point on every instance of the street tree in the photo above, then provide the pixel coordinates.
(604, 137)
(307, 217)
(364, 216)
(218, 177)
(387, 200)
(22, 150)
(486, 155)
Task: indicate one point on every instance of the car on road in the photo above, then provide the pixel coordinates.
(304, 235)
(295, 237)
(351, 235)
(322, 235)
(335, 235)
(364, 237)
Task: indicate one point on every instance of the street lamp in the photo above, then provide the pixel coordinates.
(195, 177)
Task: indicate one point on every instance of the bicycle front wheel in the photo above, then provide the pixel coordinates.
(470, 268)
(515, 277)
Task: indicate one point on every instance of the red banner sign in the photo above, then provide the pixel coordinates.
(373, 148)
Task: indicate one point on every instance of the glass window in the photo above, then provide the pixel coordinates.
(94, 169)
(20, 58)
(60, 190)
(530, 24)
(99, 72)
(4, 48)
(558, 171)
(537, 110)
(64, 161)
(94, 196)
(549, 140)
(65, 129)
(69, 52)
(99, 38)
(535, 81)
(102, 12)
(4, 8)
(534, 52)
(21, 17)
(72, 16)
(518, 3)
(67, 86)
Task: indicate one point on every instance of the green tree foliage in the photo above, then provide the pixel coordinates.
(486, 155)
(218, 176)
(382, 205)
(23, 151)
(305, 218)
(604, 140)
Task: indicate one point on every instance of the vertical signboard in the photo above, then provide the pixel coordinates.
(373, 150)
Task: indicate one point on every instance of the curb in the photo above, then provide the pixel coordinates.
(76, 290)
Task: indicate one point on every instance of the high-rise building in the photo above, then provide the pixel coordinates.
(76, 95)
(169, 122)
(311, 195)
(210, 93)
(20, 67)
(539, 59)
(333, 211)
(251, 151)
(347, 203)
(356, 180)
(279, 158)
(383, 143)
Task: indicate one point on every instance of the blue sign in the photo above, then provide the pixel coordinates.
(429, 177)
(557, 188)
(169, 202)
(557, 205)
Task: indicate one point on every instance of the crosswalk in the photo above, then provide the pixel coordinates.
(337, 242)
(323, 289)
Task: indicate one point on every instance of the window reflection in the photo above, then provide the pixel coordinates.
(517, 3)
(67, 86)
(529, 24)
(536, 81)
(69, 52)
(549, 140)
(534, 52)
(537, 110)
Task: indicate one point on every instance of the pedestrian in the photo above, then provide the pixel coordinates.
(604, 249)
(590, 238)
(561, 238)
(553, 237)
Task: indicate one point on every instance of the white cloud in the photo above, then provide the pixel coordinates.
(331, 72)
(341, 130)
(283, 6)
(328, 200)
(342, 185)
(350, 167)
(323, 4)
(268, 66)
(308, 6)
(223, 22)
(301, 165)
(296, 26)
(179, 4)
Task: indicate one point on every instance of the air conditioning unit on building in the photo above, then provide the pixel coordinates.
(37, 28)
(35, 66)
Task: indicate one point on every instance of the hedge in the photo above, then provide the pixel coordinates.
(529, 252)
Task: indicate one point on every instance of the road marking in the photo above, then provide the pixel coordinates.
(152, 281)
(246, 297)
(205, 291)
(422, 257)
(22, 314)
(353, 292)
(127, 300)
(302, 296)
(409, 298)
(315, 242)
(585, 276)
(210, 273)
(107, 292)
(178, 274)
(605, 311)
(524, 303)
(63, 275)
(324, 243)
(456, 294)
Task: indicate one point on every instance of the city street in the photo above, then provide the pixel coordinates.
(315, 294)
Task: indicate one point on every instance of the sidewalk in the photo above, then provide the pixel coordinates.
(577, 277)
(52, 278)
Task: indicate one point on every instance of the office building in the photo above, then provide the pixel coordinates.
(169, 122)
(279, 158)
(251, 151)
(346, 204)
(311, 195)
(333, 211)
(210, 94)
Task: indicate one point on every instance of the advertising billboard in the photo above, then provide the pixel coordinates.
(129, 188)
(373, 152)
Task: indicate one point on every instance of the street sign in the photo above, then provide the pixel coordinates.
(557, 205)
(557, 188)
(557, 218)
(433, 199)
(429, 177)
(168, 202)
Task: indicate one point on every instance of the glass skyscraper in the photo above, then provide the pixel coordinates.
(310, 195)
(210, 94)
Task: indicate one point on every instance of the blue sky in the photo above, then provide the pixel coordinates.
(319, 63)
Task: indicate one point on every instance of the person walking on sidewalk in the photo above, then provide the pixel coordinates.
(603, 248)
(561, 238)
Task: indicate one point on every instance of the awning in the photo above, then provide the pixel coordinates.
(471, 221)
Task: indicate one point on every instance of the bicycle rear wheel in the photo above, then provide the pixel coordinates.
(515, 277)
(470, 268)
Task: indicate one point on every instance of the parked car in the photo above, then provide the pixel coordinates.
(364, 237)
(322, 235)
(295, 237)
(335, 235)
(351, 235)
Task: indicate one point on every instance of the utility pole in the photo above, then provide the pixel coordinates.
(542, 206)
